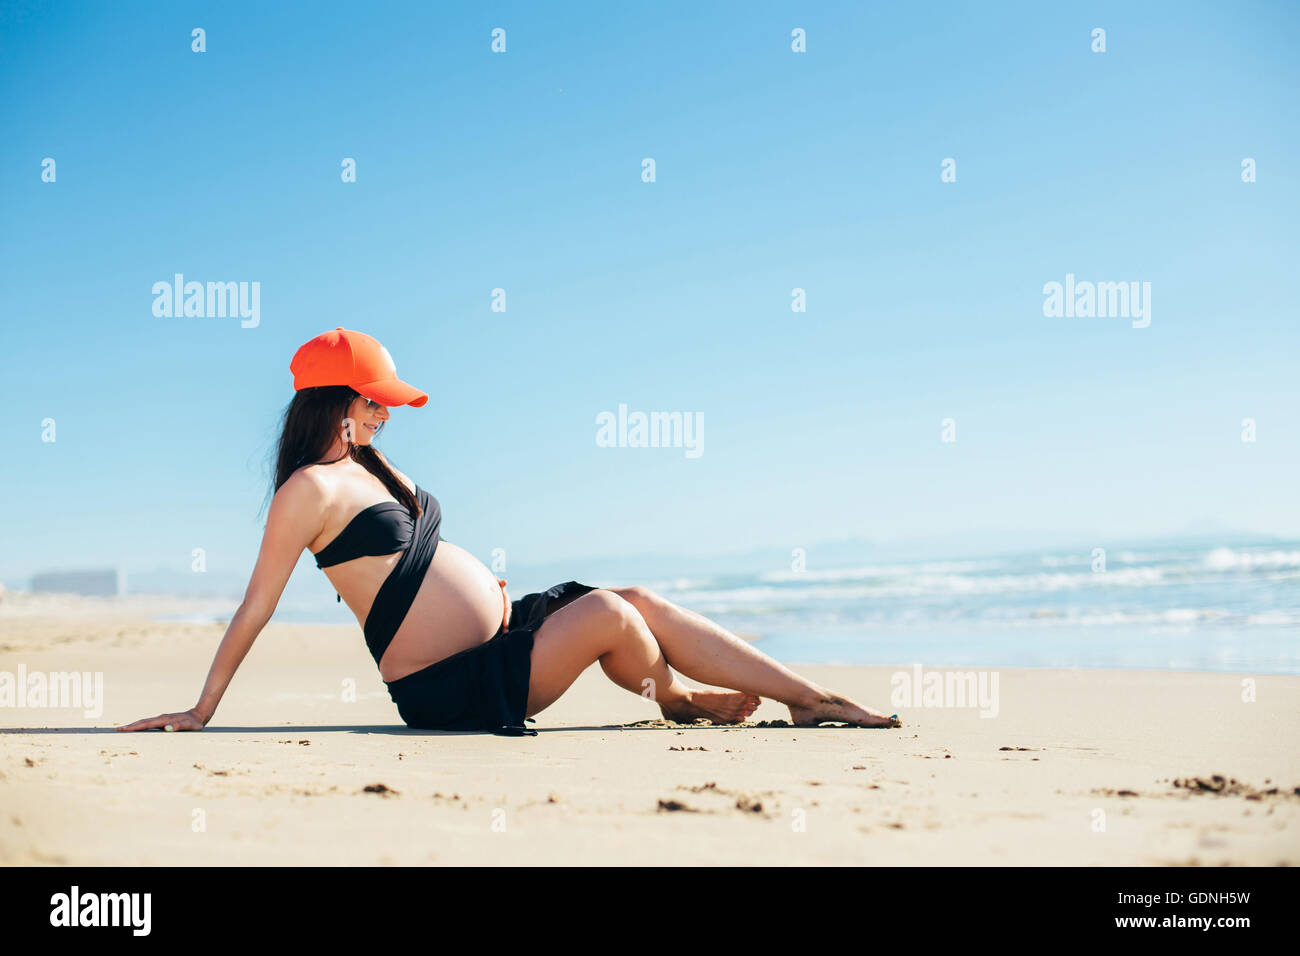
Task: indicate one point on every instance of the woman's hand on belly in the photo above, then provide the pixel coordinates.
(505, 596)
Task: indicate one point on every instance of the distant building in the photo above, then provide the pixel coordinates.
(96, 582)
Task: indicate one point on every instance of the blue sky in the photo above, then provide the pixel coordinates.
(775, 170)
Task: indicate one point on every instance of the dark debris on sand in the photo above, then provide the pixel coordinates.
(675, 805)
(1215, 785)
(1231, 787)
(743, 801)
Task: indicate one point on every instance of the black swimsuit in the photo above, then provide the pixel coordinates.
(481, 688)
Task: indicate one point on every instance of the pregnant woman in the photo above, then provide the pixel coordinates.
(454, 650)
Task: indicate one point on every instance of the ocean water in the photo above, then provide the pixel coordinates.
(1205, 607)
(1196, 608)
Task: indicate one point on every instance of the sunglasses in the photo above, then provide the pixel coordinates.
(371, 404)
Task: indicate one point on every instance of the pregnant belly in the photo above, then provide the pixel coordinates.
(459, 605)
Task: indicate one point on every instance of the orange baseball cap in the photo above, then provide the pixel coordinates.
(345, 357)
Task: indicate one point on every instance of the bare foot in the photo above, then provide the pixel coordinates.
(719, 706)
(828, 706)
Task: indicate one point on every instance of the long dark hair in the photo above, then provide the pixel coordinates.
(311, 424)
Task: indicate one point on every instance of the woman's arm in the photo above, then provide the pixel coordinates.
(296, 518)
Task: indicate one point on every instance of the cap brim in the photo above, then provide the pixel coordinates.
(392, 392)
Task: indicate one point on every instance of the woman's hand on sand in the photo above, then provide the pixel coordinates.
(189, 720)
(505, 619)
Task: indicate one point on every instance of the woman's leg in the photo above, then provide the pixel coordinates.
(601, 626)
(706, 652)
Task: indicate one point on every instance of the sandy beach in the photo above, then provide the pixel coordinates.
(306, 762)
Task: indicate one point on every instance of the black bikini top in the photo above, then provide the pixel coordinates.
(383, 528)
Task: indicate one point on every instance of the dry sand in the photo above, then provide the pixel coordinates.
(1079, 767)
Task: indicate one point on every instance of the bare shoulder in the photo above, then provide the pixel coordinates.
(306, 490)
